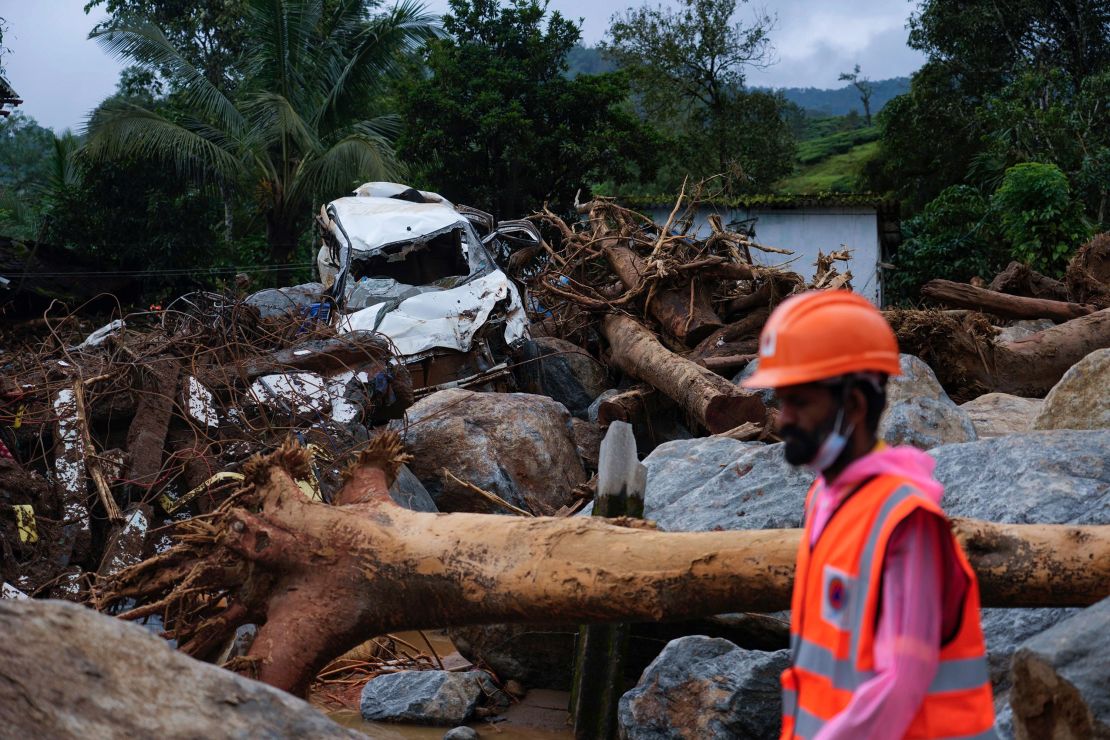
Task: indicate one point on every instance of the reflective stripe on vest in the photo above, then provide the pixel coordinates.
(807, 725)
(963, 674)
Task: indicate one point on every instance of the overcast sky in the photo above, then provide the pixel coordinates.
(61, 75)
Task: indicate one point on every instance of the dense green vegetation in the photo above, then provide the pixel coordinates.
(238, 118)
(521, 132)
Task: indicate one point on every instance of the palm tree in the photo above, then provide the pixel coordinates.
(294, 131)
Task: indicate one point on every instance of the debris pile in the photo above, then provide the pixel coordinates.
(674, 311)
(148, 421)
(229, 468)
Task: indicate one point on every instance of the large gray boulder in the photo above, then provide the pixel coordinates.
(516, 445)
(1081, 400)
(919, 412)
(701, 688)
(1061, 682)
(425, 697)
(713, 483)
(999, 414)
(70, 672)
(1048, 477)
(563, 371)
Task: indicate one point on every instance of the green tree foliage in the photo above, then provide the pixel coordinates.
(1038, 216)
(1004, 84)
(953, 238)
(211, 34)
(496, 123)
(295, 130)
(688, 67)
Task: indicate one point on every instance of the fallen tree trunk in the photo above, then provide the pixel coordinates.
(322, 579)
(1001, 304)
(684, 314)
(715, 403)
(969, 362)
(1019, 279)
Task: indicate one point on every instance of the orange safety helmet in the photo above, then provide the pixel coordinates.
(821, 335)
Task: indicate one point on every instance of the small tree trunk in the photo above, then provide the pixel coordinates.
(714, 402)
(1001, 304)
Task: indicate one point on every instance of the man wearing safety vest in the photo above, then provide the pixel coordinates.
(885, 634)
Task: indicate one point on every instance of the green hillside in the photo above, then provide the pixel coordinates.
(832, 163)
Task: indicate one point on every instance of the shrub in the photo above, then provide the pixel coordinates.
(952, 238)
(1039, 217)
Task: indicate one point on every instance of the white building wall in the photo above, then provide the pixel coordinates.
(805, 231)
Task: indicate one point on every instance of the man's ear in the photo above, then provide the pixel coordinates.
(855, 409)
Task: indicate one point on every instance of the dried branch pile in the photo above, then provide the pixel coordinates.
(676, 311)
(152, 418)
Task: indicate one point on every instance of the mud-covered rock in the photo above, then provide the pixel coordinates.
(1081, 400)
(925, 423)
(999, 414)
(69, 672)
(1022, 329)
(701, 688)
(518, 446)
(916, 381)
(424, 697)
(767, 394)
(1060, 679)
(595, 406)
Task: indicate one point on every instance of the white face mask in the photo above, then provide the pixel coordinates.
(832, 446)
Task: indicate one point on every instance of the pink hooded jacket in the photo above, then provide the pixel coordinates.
(922, 592)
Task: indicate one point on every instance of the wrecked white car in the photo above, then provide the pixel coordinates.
(409, 265)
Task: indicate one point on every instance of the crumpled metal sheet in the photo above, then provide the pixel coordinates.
(373, 223)
(445, 319)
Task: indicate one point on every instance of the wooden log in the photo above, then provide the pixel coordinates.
(1020, 279)
(319, 578)
(630, 406)
(684, 314)
(146, 437)
(969, 363)
(599, 661)
(714, 402)
(1001, 304)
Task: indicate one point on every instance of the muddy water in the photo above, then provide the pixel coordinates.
(541, 715)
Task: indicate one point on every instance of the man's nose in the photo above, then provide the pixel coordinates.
(785, 416)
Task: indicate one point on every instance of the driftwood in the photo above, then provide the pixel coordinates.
(1088, 275)
(715, 403)
(321, 579)
(1001, 304)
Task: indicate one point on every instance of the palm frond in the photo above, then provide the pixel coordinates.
(286, 49)
(145, 44)
(381, 43)
(274, 121)
(121, 130)
(354, 159)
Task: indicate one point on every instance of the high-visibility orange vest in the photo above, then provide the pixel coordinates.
(833, 618)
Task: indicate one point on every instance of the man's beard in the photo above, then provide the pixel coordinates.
(800, 446)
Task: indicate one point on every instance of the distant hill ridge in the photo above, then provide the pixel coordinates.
(838, 102)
